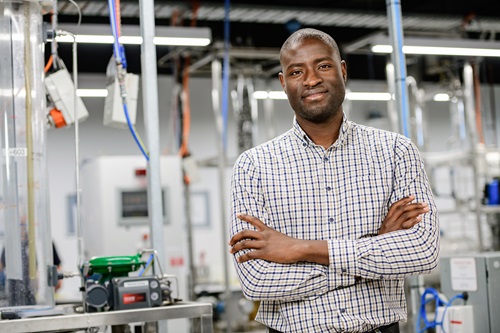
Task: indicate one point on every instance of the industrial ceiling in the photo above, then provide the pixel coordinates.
(257, 30)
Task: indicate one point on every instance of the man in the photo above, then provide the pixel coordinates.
(330, 217)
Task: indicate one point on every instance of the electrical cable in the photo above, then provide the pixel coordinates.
(114, 31)
(186, 124)
(148, 264)
(53, 45)
(186, 106)
(477, 102)
(78, 10)
(49, 64)
(121, 65)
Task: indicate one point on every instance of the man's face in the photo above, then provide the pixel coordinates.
(313, 78)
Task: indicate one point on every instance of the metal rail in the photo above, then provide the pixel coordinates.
(85, 321)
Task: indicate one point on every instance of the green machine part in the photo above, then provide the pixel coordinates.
(113, 266)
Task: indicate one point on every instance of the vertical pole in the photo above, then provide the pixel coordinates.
(398, 59)
(216, 95)
(477, 149)
(391, 104)
(150, 107)
(401, 98)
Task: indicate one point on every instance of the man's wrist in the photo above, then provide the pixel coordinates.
(315, 251)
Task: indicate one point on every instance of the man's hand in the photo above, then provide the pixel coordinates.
(269, 244)
(403, 215)
(272, 245)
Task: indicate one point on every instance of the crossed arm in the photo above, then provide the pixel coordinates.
(269, 244)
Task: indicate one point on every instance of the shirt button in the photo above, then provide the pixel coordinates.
(342, 310)
(304, 144)
(328, 188)
(330, 219)
(325, 159)
(343, 270)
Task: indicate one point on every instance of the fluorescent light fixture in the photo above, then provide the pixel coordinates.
(260, 95)
(441, 97)
(101, 34)
(368, 96)
(277, 94)
(92, 92)
(436, 46)
(352, 96)
(90, 39)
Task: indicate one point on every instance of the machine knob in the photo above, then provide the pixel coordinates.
(154, 296)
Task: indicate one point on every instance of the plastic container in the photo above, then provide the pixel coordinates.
(25, 237)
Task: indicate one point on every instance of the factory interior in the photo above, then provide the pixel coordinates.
(122, 120)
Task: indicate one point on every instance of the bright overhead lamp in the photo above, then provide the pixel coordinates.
(130, 35)
(277, 94)
(92, 92)
(368, 96)
(441, 97)
(352, 96)
(436, 46)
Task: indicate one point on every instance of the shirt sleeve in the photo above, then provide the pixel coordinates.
(262, 279)
(401, 253)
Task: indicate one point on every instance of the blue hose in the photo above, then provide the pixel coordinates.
(119, 53)
(114, 31)
(422, 315)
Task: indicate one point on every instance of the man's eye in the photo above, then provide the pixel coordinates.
(294, 73)
(325, 66)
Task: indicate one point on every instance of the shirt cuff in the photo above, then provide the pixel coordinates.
(344, 255)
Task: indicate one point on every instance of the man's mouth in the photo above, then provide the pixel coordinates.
(313, 94)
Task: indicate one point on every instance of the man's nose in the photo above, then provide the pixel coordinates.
(312, 79)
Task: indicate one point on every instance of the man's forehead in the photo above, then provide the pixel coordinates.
(297, 48)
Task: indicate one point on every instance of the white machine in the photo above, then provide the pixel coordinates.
(479, 276)
(115, 213)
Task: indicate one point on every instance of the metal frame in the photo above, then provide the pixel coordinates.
(203, 311)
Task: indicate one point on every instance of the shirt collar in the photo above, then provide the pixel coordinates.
(306, 141)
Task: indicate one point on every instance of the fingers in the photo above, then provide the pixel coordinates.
(400, 204)
(244, 234)
(246, 244)
(252, 220)
(411, 210)
(411, 222)
(403, 215)
(248, 234)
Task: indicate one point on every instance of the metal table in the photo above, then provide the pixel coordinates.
(83, 321)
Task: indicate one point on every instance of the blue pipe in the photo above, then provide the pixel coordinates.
(225, 74)
(395, 12)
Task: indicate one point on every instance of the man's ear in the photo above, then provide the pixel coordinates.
(344, 70)
(282, 80)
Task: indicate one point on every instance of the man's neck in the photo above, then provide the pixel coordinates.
(324, 134)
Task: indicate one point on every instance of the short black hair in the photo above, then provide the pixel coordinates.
(308, 33)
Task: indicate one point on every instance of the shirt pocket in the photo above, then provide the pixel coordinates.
(363, 202)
